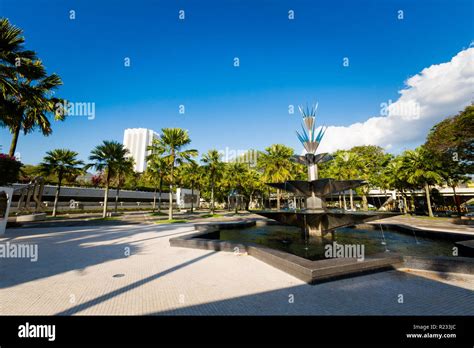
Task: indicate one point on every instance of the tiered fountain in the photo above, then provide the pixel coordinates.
(315, 219)
(304, 255)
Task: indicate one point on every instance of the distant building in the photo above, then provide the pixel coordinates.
(136, 140)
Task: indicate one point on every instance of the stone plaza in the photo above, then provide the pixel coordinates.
(130, 269)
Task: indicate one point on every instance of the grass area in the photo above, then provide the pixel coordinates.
(104, 219)
(158, 214)
(211, 215)
(49, 217)
(89, 211)
(172, 221)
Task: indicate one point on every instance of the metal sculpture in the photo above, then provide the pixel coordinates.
(31, 191)
(315, 219)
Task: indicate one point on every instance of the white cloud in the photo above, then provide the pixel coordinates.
(436, 92)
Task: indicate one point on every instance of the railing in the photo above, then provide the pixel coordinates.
(93, 193)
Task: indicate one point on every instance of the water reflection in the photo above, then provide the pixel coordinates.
(292, 240)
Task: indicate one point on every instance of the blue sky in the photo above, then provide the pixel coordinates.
(190, 62)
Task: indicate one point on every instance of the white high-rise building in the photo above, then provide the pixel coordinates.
(136, 140)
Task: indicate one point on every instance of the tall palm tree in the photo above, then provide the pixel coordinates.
(238, 176)
(157, 169)
(105, 157)
(276, 165)
(173, 142)
(336, 169)
(27, 90)
(213, 166)
(191, 173)
(31, 106)
(63, 163)
(420, 168)
(349, 163)
(121, 169)
(396, 177)
(12, 51)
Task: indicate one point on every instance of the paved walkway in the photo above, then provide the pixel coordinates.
(85, 270)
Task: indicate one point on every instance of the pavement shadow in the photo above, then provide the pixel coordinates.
(117, 292)
(73, 250)
(375, 294)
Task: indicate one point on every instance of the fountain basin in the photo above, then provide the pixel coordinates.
(309, 271)
(283, 247)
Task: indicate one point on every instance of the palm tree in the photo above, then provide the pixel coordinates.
(121, 169)
(173, 141)
(213, 166)
(395, 178)
(333, 169)
(350, 162)
(276, 165)
(27, 90)
(338, 169)
(63, 163)
(420, 168)
(191, 173)
(105, 157)
(238, 176)
(12, 51)
(156, 170)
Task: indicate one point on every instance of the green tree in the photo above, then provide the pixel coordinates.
(157, 169)
(345, 166)
(277, 165)
(190, 175)
(451, 141)
(422, 169)
(27, 90)
(453, 175)
(213, 167)
(238, 177)
(63, 163)
(396, 178)
(371, 161)
(105, 157)
(121, 170)
(173, 142)
(332, 169)
(12, 51)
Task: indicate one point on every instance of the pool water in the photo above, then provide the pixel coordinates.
(291, 240)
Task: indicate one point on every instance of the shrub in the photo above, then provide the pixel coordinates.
(9, 169)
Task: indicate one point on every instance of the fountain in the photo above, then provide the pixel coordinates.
(301, 248)
(316, 219)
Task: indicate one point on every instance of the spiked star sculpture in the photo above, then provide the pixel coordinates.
(310, 139)
(316, 219)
